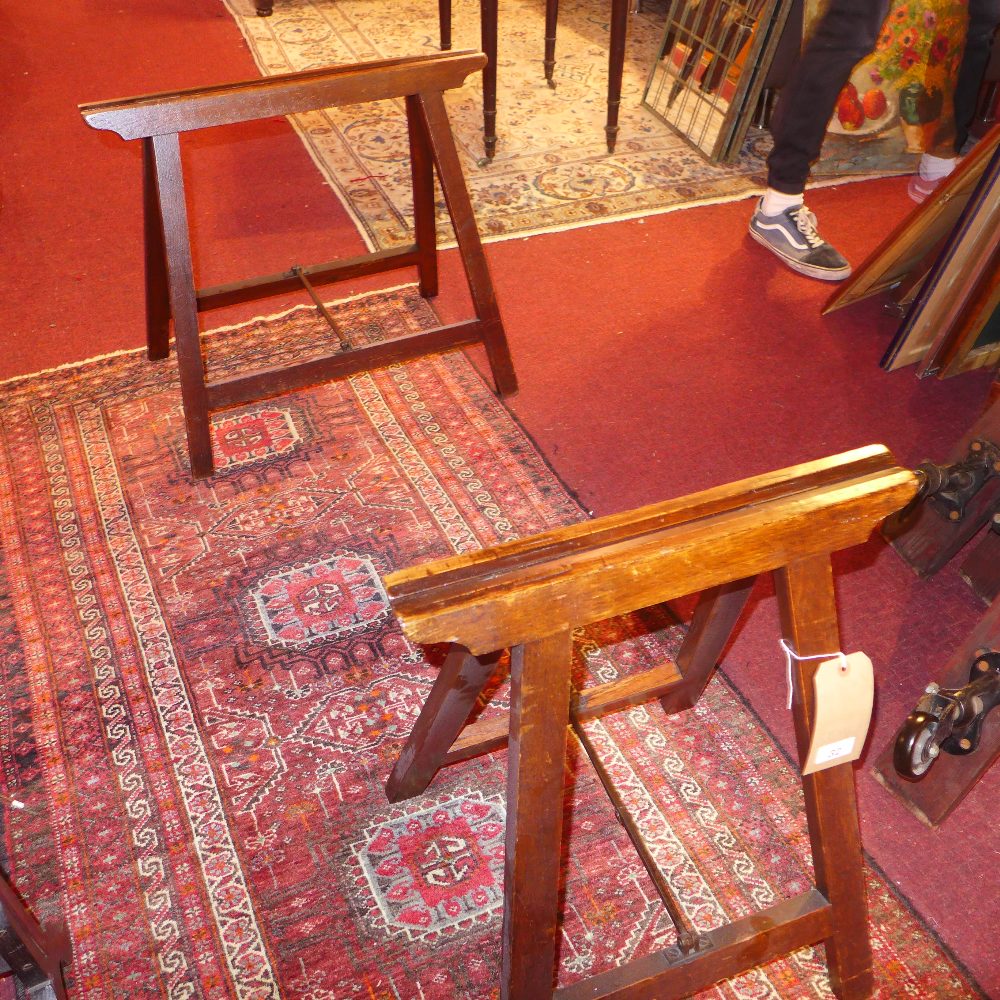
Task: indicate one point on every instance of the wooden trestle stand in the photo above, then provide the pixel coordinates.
(157, 119)
(529, 595)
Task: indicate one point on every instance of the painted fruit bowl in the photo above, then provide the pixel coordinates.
(864, 107)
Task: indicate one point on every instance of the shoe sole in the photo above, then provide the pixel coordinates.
(809, 270)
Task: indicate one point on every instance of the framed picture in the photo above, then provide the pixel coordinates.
(898, 102)
(903, 260)
(943, 324)
(711, 67)
(973, 341)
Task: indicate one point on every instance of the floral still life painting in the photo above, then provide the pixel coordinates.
(898, 102)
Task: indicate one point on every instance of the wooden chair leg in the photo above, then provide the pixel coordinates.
(809, 622)
(540, 690)
(714, 619)
(434, 120)
(424, 222)
(183, 303)
(458, 685)
(157, 292)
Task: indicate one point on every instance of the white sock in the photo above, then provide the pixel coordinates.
(775, 202)
(934, 168)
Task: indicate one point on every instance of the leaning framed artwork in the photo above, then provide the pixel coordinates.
(898, 102)
(902, 261)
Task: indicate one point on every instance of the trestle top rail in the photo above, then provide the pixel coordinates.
(523, 590)
(282, 94)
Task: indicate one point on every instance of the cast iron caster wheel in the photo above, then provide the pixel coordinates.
(914, 750)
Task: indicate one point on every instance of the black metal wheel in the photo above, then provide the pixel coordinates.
(914, 750)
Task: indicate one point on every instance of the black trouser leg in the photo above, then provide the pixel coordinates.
(984, 16)
(845, 35)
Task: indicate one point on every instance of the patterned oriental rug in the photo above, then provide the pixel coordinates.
(552, 169)
(203, 691)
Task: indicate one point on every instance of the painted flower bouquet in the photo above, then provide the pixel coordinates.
(912, 68)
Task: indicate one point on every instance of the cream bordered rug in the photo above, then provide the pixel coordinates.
(552, 170)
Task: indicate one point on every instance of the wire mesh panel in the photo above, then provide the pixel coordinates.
(711, 67)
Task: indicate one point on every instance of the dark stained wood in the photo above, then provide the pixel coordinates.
(981, 569)
(529, 595)
(775, 931)
(808, 615)
(183, 303)
(936, 796)
(488, 40)
(434, 117)
(157, 288)
(539, 713)
(444, 24)
(44, 949)
(249, 289)
(424, 221)
(273, 381)
(551, 22)
(283, 94)
(489, 30)
(158, 119)
(616, 65)
(458, 685)
(923, 536)
(714, 619)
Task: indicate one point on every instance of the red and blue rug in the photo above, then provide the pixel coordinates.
(203, 691)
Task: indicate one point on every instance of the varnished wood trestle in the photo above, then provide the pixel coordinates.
(158, 120)
(528, 596)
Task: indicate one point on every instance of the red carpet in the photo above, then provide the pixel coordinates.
(206, 688)
(654, 358)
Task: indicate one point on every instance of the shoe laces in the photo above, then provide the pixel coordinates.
(805, 222)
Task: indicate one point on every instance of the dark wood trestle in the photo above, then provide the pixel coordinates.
(158, 119)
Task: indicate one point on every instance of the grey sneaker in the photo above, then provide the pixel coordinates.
(793, 237)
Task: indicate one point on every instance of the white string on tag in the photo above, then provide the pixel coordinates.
(790, 654)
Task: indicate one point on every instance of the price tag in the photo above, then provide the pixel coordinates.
(845, 690)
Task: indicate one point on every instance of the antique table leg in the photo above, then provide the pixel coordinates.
(444, 20)
(616, 65)
(551, 19)
(488, 14)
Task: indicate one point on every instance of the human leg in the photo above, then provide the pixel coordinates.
(845, 34)
(984, 16)
(960, 101)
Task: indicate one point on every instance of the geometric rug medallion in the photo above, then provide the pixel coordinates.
(202, 691)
